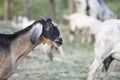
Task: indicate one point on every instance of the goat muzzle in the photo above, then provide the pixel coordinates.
(58, 41)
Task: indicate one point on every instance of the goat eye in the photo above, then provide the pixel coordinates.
(57, 35)
(49, 26)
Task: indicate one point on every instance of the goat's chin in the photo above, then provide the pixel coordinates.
(55, 44)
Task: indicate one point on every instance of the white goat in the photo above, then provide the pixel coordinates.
(107, 46)
(94, 8)
(81, 22)
(21, 22)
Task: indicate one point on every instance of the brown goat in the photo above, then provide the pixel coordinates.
(14, 47)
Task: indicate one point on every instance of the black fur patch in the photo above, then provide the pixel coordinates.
(5, 41)
(107, 62)
(87, 8)
(52, 33)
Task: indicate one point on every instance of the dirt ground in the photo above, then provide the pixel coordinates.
(73, 66)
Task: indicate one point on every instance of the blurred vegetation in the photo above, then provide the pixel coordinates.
(39, 8)
(114, 6)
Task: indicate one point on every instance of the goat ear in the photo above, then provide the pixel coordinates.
(36, 32)
(44, 18)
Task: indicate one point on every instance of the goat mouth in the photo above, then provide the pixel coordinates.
(57, 44)
(58, 41)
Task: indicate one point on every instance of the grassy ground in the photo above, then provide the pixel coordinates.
(75, 65)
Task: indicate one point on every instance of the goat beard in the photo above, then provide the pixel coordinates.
(50, 55)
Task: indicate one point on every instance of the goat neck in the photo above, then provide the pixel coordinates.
(21, 46)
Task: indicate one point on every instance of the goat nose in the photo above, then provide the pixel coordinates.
(58, 40)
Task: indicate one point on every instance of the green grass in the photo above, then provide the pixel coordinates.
(115, 7)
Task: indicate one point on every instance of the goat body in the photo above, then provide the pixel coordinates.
(106, 47)
(21, 22)
(94, 8)
(14, 47)
(82, 22)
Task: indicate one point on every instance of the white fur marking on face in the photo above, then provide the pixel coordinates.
(54, 23)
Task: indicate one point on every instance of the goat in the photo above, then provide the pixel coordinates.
(94, 8)
(21, 22)
(107, 46)
(81, 22)
(14, 47)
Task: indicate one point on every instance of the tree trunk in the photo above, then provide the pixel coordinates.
(52, 7)
(71, 6)
(25, 4)
(6, 10)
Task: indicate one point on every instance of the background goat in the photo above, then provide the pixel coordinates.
(107, 46)
(21, 22)
(81, 22)
(94, 8)
(14, 47)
